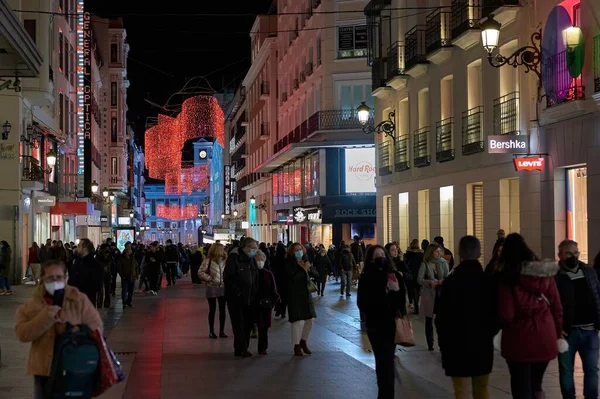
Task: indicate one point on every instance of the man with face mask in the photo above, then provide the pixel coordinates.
(241, 287)
(580, 297)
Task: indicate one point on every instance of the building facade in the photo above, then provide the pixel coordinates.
(442, 172)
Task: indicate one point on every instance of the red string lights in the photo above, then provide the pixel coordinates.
(177, 212)
(200, 116)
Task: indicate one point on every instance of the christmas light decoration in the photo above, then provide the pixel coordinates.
(177, 212)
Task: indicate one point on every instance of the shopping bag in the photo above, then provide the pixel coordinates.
(108, 373)
(404, 332)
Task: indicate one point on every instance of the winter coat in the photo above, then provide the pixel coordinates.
(34, 325)
(401, 267)
(378, 305)
(267, 289)
(299, 300)
(429, 294)
(413, 260)
(87, 276)
(567, 295)
(33, 256)
(240, 277)
(212, 273)
(357, 252)
(531, 314)
(322, 266)
(127, 267)
(346, 261)
(466, 321)
(171, 254)
(5, 261)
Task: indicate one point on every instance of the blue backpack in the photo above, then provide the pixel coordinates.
(75, 365)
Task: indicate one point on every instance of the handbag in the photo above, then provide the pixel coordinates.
(312, 287)
(404, 332)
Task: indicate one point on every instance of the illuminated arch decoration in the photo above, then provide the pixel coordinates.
(200, 116)
(177, 212)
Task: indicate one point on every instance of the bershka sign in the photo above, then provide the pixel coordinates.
(508, 144)
(529, 164)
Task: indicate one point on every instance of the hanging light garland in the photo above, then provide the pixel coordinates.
(177, 212)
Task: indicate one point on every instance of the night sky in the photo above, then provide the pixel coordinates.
(168, 50)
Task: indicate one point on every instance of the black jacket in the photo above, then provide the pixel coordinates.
(86, 276)
(567, 296)
(171, 253)
(414, 260)
(379, 306)
(241, 278)
(401, 267)
(466, 321)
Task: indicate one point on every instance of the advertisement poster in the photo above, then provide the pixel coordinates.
(124, 236)
(360, 170)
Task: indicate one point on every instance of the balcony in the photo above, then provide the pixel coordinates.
(296, 84)
(284, 97)
(415, 54)
(264, 131)
(385, 162)
(395, 66)
(466, 15)
(506, 114)
(421, 147)
(505, 11)
(439, 36)
(379, 71)
(444, 132)
(308, 69)
(32, 174)
(560, 86)
(472, 131)
(264, 90)
(401, 154)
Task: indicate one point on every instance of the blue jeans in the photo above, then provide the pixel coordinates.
(346, 281)
(4, 284)
(584, 342)
(127, 286)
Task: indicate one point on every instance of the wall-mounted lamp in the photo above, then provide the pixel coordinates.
(6, 128)
(572, 37)
(387, 127)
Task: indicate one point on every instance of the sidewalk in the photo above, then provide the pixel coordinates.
(164, 346)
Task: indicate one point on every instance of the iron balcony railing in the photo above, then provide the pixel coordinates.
(375, 6)
(401, 153)
(337, 119)
(395, 60)
(489, 6)
(444, 132)
(378, 73)
(560, 86)
(421, 147)
(415, 46)
(597, 63)
(385, 162)
(439, 30)
(472, 131)
(506, 114)
(465, 15)
(31, 171)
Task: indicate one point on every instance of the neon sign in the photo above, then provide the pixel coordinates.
(529, 164)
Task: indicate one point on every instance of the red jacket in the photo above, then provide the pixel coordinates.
(531, 314)
(33, 255)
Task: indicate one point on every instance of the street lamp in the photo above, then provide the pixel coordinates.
(105, 192)
(95, 187)
(387, 127)
(235, 213)
(222, 216)
(572, 37)
(6, 127)
(253, 200)
(111, 197)
(529, 56)
(131, 214)
(51, 159)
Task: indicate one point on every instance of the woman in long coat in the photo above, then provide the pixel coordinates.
(5, 264)
(268, 297)
(301, 310)
(432, 273)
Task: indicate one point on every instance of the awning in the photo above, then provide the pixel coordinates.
(293, 150)
(18, 53)
(73, 208)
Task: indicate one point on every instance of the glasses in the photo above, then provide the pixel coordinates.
(52, 279)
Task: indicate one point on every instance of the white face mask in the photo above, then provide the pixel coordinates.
(54, 286)
(260, 264)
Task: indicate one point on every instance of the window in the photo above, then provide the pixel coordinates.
(113, 130)
(113, 94)
(114, 53)
(352, 41)
(475, 220)
(61, 112)
(30, 27)
(72, 62)
(352, 94)
(577, 209)
(319, 50)
(67, 59)
(510, 211)
(61, 55)
(114, 166)
(73, 117)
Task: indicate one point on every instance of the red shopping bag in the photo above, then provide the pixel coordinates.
(107, 373)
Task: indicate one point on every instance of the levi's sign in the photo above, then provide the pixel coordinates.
(529, 164)
(508, 144)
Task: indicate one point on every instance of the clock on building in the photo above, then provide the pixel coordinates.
(203, 154)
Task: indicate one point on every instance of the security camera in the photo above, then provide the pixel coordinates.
(5, 84)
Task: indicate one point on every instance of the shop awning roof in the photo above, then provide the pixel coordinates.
(293, 150)
(72, 208)
(18, 53)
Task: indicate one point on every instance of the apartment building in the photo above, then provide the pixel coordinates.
(320, 162)
(442, 171)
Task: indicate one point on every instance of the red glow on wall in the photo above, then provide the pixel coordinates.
(177, 212)
(200, 116)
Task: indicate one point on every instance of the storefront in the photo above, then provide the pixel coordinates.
(75, 220)
(345, 217)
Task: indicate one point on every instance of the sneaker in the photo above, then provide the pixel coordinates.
(9, 292)
(348, 295)
(2, 292)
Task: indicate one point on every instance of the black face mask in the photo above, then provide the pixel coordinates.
(571, 262)
(381, 262)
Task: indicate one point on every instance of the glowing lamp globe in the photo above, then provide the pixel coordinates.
(51, 158)
(572, 37)
(364, 112)
(490, 34)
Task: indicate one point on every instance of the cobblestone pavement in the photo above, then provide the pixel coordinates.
(164, 347)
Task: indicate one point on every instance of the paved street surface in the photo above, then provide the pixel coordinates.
(164, 347)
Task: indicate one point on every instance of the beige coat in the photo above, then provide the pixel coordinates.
(33, 324)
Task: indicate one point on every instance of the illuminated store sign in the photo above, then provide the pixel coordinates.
(508, 144)
(84, 100)
(529, 164)
(299, 214)
(227, 192)
(360, 170)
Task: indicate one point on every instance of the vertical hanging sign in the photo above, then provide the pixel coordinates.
(227, 193)
(87, 103)
(83, 53)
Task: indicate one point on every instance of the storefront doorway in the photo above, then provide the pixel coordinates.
(577, 214)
